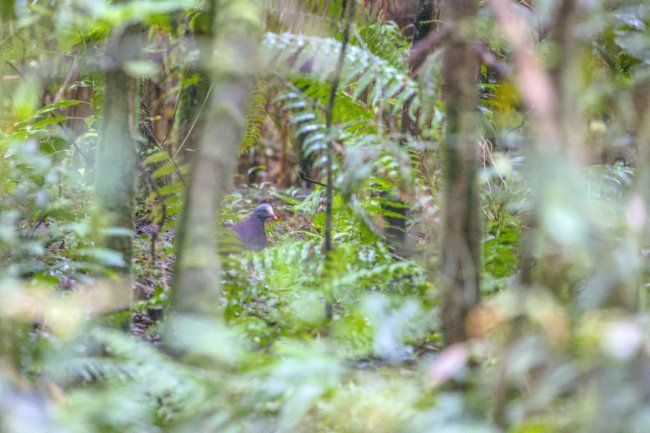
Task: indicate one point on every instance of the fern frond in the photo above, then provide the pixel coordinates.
(352, 113)
(308, 126)
(431, 115)
(168, 175)
(386, 41)
(92, 369)
(382, 84)
(123, 360)
(371, 156)
(256, 114)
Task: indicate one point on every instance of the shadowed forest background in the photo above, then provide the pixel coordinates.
(462, 194)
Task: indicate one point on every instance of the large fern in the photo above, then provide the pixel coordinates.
(373, 94)
(366, 76)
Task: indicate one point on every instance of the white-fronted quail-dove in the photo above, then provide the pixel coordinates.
(251, 230)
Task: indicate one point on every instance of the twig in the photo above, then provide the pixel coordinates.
(304, 177)
(196, 120)
(173, 118)
(148, 132)
(490, 60)
(422, 48)
(74, 69)
(329, 115)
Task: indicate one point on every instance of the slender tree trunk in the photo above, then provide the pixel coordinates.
(196, 82)
(196, 287)
(540, 96)
(461, 243)
(641, 99)
(115, 167)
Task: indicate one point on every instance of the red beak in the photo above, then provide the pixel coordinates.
(273, 216)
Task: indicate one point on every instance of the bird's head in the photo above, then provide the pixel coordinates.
(264, 212)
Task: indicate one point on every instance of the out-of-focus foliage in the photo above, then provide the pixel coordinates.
(47, 232)
(348, 343)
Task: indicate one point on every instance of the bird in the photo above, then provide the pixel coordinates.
(251, 230)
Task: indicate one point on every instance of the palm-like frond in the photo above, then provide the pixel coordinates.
(365, 76)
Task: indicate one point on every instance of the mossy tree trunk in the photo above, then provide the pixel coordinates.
(461, 241)
(115, 167)
(238, 23)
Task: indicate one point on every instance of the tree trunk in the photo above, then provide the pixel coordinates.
(461, 242)
(196, 287)
(195, 84)
(115, 167)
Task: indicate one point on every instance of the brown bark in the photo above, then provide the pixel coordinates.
(461, 242)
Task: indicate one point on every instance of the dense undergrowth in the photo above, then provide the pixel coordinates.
(319, 334)
(303, 341)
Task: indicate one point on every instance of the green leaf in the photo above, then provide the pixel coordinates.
(63, 103)
(156, 157)
(26, 98)
(50, 121)
(165, 170)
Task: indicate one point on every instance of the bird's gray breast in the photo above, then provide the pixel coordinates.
(251, 232)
